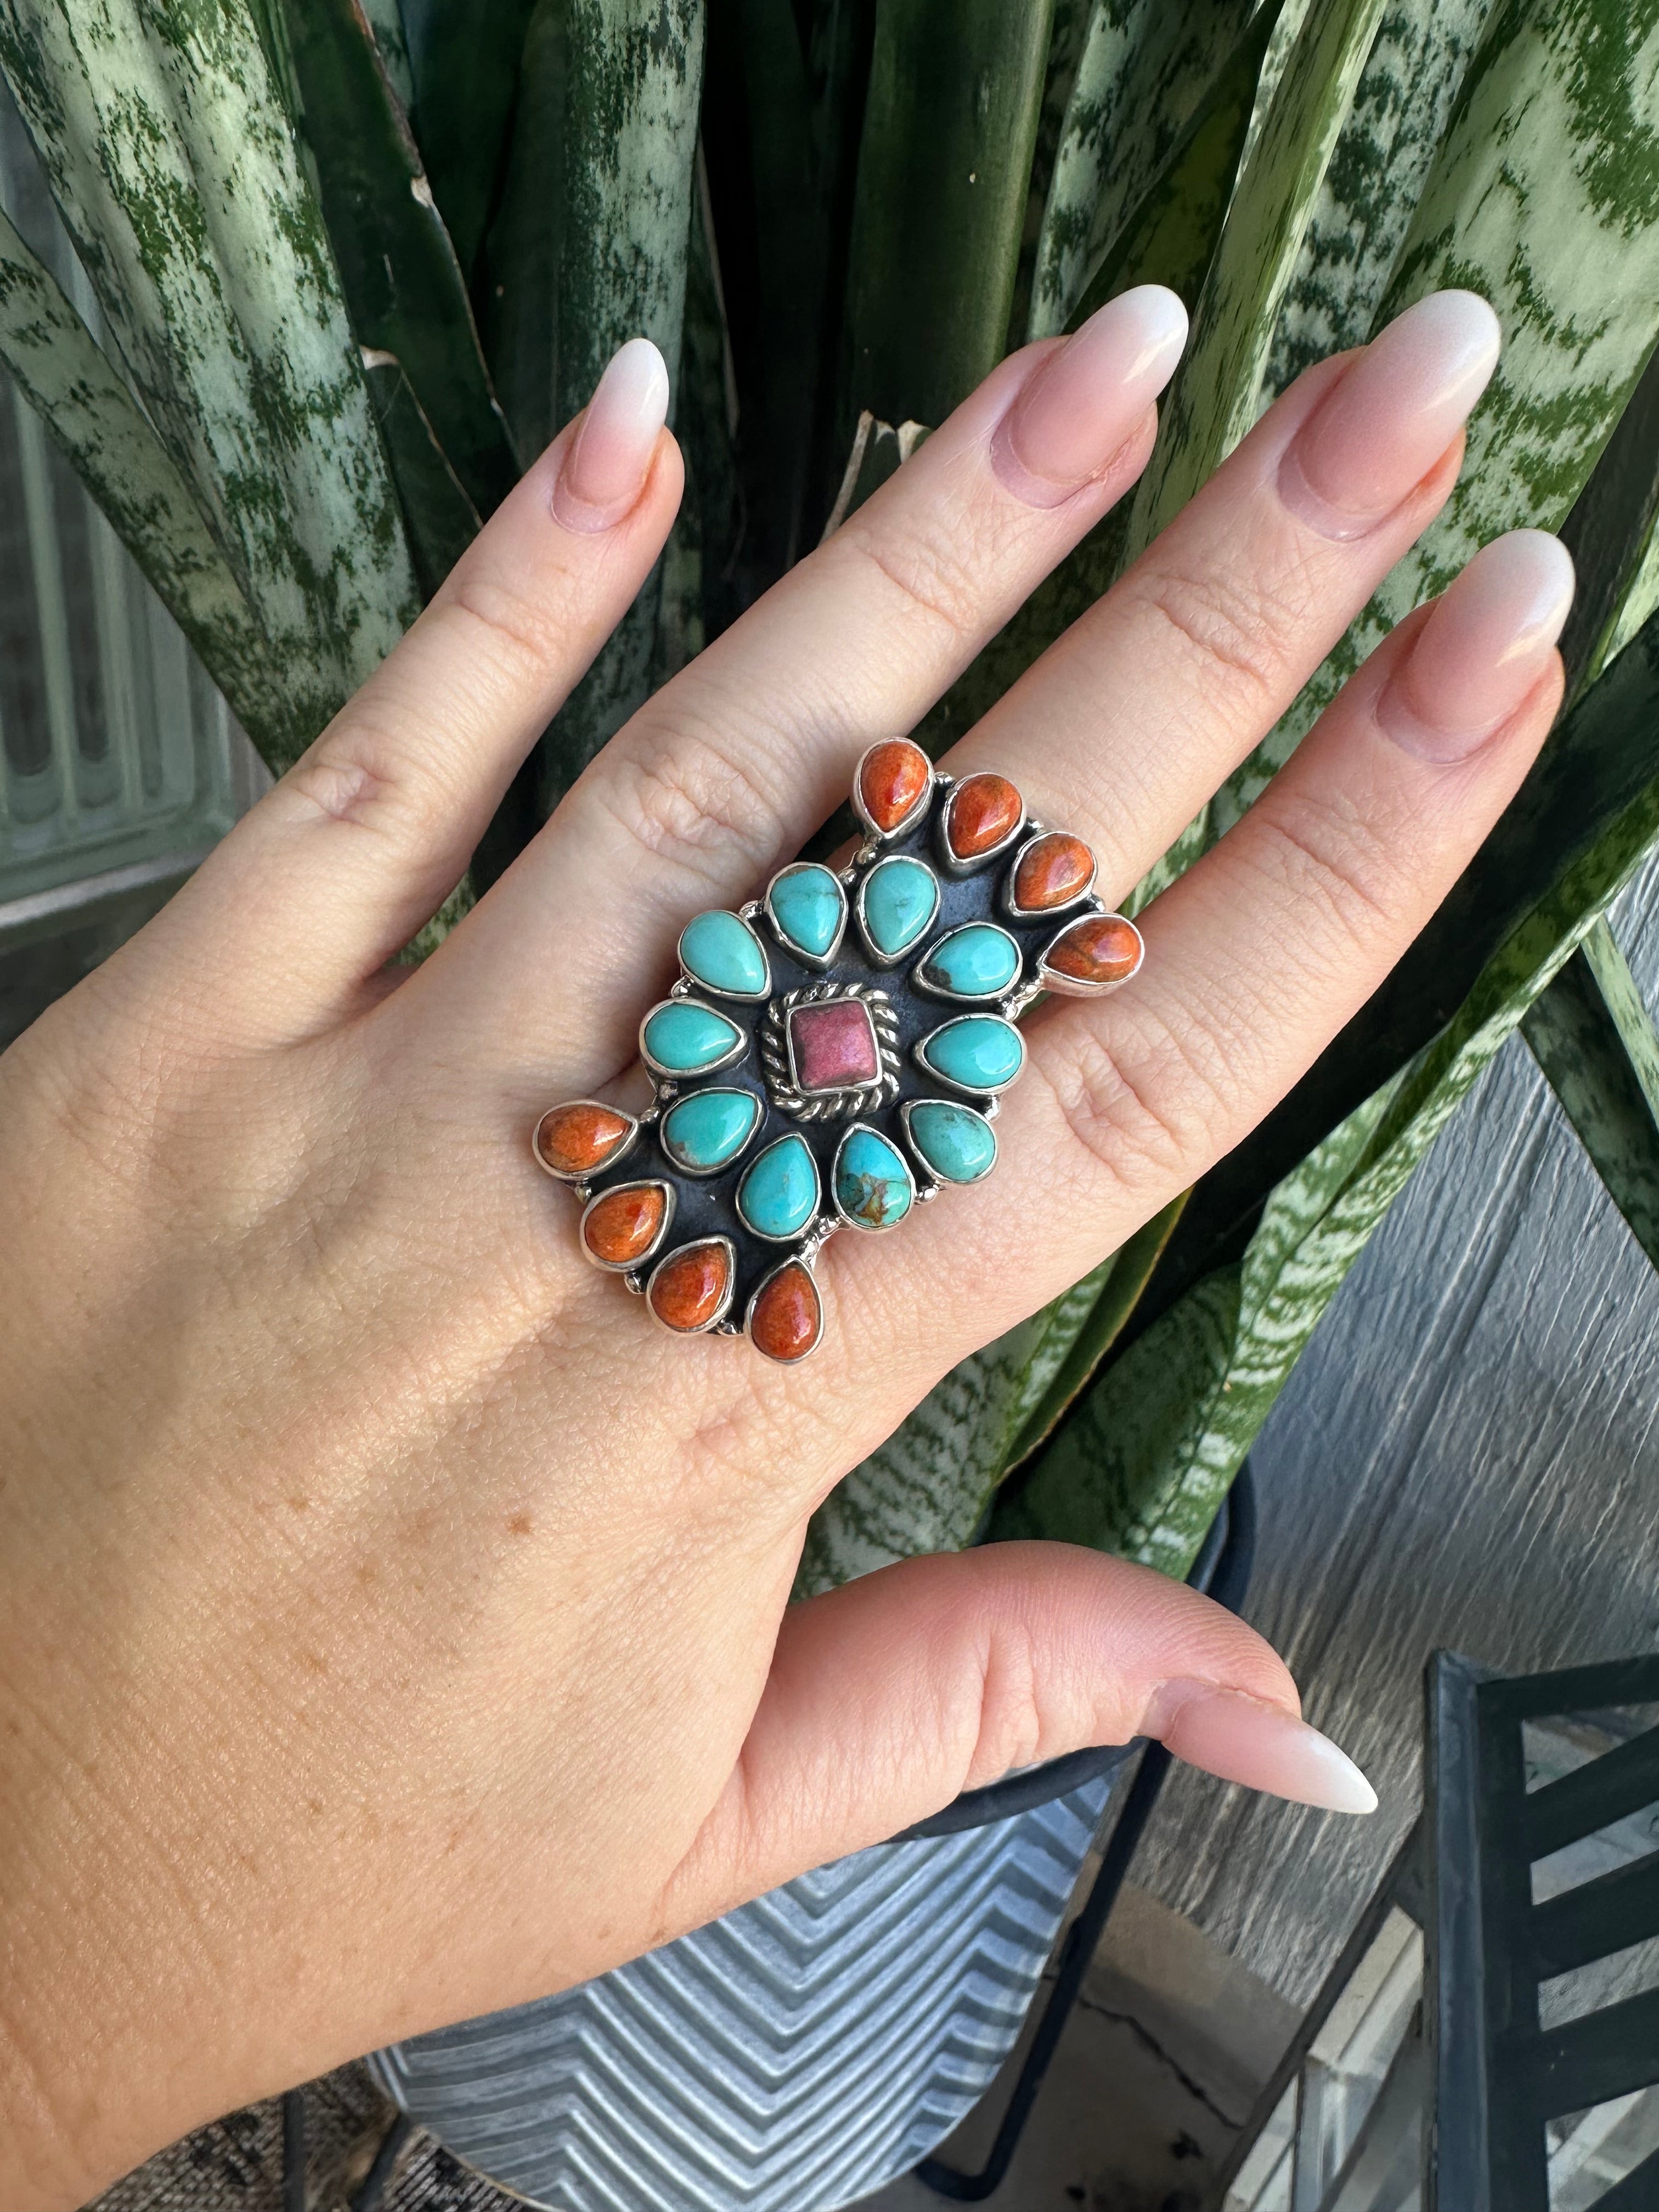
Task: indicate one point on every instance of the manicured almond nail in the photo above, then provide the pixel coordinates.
(605, 469)
(1483, 648)
(1086, 399)
(1245, 1740)
(1385, 423)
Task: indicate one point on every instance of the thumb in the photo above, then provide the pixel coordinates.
(891, 1696)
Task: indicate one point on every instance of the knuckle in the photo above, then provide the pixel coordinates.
(1321, 851)
(1148, 1107)
(529, 632)
(1232, 632)
(924, 568)
(684, 799)
(1010, 1722)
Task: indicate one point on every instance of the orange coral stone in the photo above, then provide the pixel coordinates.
(1054, 869)
(1102, 948)
(577, 1139)
(983, 812)
(621, 1227)
(689, 1287)
(892, 780)
(786, 1318)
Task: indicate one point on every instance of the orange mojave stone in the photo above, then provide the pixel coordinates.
(621, 1227)
(1100, 949)
(982, 811)
(786, 1318)
(893, 779)
(1054, 869)
(577, 1140)
(689, 1289)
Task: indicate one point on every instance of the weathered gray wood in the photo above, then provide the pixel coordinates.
(1468, 1456)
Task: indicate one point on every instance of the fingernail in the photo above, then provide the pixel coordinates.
(605, 470)
(1245, 1740)
(1385, 423)
(1086, 398)
(1483, 648)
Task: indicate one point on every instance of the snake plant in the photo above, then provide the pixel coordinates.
(357, 259)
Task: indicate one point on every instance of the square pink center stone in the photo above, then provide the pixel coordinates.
(833, 1047)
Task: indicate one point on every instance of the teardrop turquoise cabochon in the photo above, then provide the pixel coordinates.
(978, 961)
(706, 1130)
(957, 1144)
(898, 901)
(778, 1194)
(808, 908)
(722, 952)
(685, 1038)
(874, 1189)
(977, 1052)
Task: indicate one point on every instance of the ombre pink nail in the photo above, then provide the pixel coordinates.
(1245, 1739)
(1482, 649)
(605, 467)
(1085, 400)
(1386, 420)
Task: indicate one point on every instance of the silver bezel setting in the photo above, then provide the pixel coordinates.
(918, 974)
(924, 800)
(629, 1267)
(733, 1090)
(1011, 906)
(851, 1220)
(611, 1159)
(709, 1066)
(707, 1328)
(702, 983)
(803, 1261)
(890, 860)
(794, 951)
(1068, 986)
(945, 1181)
(948, 859)
(778, 1059)
(969, 1089)
(791, 1235)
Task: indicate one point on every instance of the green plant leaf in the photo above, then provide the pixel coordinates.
(605, 132)
(171, 160)
(1595, 1042)
(1378, 168)
(438, 514)
(463, 62)
(403, 288)
(1147, 70)
(1610, 534)
(1544, 197)
(956, 88)
(62, 372)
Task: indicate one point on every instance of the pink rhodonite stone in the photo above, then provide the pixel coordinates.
(833, 1047)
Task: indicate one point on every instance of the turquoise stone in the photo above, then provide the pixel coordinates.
(977, 1052)
(957, 1144)
(899, 903)
(874, 1189)
(808, 908)
(706, 1130)
(722, 952)
(684, 1037)
(778, 1195)
(978, 961)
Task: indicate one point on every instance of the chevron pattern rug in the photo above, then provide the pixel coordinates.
(791, 2057)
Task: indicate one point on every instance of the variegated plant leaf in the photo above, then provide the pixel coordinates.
(605, 134)
(462, 63)
(1144, 73)
(404, 291)
(1144, 1461)
(1545, 197)
(62, 372)
(1378, 168)
(173, 161)
(1595, 1042)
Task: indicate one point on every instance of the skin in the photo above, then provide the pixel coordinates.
(393, 1624)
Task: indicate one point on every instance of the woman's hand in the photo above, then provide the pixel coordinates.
(391, 1622)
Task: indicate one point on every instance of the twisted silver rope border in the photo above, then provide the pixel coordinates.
(829, 1105)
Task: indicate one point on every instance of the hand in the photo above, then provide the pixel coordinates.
(392, 1623)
